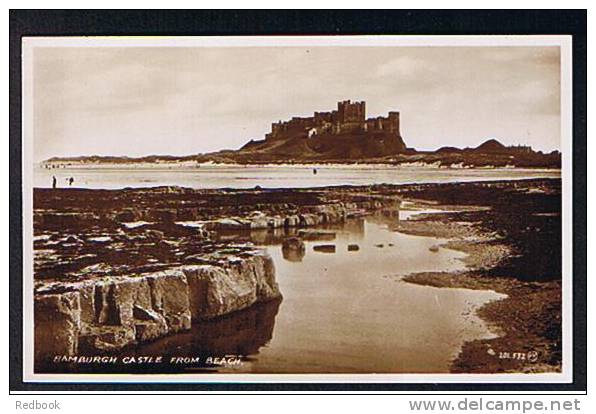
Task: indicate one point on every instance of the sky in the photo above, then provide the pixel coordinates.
(137, 101)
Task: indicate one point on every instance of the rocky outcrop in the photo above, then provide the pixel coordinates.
(307, 216)
(216, 291)
(99, 316)
(150, 262)
(334, 213)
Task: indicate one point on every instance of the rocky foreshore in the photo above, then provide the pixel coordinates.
(109, 313)
(117, 268)
(114, 268)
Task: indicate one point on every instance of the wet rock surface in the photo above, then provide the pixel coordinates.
(82, 234)
(115, 268)
(121, 267)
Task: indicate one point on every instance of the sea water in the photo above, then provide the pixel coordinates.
(271, 176)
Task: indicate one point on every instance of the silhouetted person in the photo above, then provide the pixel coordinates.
(53, 181)
(70, 181)
(314, 171)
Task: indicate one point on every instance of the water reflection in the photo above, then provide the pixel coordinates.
(264, 237)
(293, 255)
(345, 309)
(322, 233)
(355, 227)
(343, 312)
(293, 249)
(349, 312)
(240, 333)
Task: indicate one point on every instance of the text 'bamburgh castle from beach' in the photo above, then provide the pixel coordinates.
(349, 118)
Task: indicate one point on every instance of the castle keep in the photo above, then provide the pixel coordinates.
(348, 118)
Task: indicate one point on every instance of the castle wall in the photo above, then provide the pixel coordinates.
(321, 118)
(349, 117)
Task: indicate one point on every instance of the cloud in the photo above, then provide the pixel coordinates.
(139, 101)
(403, 67)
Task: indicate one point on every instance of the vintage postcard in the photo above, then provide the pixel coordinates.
(297, 209)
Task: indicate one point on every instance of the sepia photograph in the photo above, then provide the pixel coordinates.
(297, 208)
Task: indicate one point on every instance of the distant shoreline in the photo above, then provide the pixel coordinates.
(360, 165)
(350, 150)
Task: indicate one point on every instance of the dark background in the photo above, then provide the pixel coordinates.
(288, 22)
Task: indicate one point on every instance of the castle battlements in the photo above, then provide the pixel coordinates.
(349, 117)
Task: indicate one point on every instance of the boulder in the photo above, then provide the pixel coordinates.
(113, 300)
(264, 269)
(87, 303)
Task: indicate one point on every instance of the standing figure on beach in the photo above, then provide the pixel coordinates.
(70, 181)
(53, 181)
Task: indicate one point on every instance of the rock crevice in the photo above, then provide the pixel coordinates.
(99, 316)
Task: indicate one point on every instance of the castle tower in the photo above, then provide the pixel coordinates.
(349, 112)
(394, 122)
(351, 116)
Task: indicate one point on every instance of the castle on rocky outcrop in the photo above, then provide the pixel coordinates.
(349, 118)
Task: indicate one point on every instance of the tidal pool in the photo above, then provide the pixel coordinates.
(346, 311)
